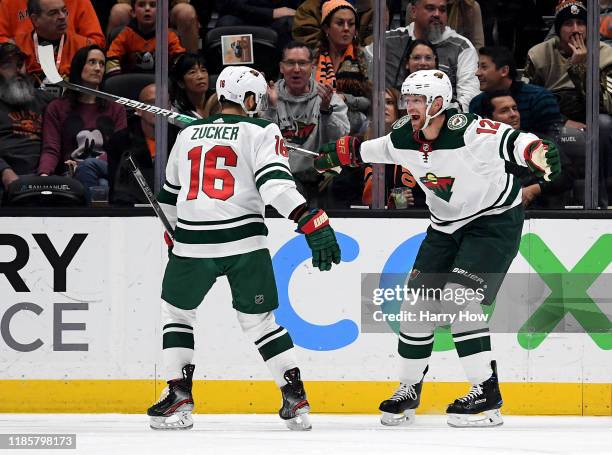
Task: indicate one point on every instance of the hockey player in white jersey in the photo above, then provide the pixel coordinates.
(221, 174)
(476, 222)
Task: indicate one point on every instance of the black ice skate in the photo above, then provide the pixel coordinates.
(401, 407)
(480, 407)
(173, 410)
(295, 405)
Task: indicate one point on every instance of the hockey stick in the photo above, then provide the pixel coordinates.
(146, 189)
(47, 63)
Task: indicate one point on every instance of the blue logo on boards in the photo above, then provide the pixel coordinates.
(344, 332)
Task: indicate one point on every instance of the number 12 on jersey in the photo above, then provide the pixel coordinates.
(492, 127)
(216, 183)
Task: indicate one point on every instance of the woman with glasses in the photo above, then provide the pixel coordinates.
(421, 55)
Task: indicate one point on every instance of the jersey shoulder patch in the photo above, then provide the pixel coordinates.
(401, 134)
(459, 121)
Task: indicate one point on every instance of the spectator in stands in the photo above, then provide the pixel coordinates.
(77, 126)
(82, 20)
(189, 90)
(341, 63)
(308, 113)
(421, 55)
(276, 14)
(537, 192)
(465, 17)
(133, 50)
(539, 110)
(50, 21)
(21, 117)
(138, 141)
(605, 20)
(307, 22)
(457, 57)
(183, 18)
(559, 65)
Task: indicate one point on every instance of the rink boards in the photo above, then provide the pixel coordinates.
(80, 331)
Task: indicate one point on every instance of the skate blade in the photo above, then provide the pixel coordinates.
(179, 421)
(490, 418)
(394, 420)
(300, 422)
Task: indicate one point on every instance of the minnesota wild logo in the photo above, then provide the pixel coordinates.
(456, 122)
(441, 186)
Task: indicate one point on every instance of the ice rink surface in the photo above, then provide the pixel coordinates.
(115, 434)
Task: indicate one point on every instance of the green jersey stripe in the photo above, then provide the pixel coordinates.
(502, 147)
(510, 147)
(220, 235)
(170, 185)
(165, 197)
(268, 166)
(508, 177)
(232, 118)
(220, 222)
(516, 187)
(273, 175)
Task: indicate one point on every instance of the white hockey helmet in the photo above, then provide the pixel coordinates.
(431, 84)
(236, 82)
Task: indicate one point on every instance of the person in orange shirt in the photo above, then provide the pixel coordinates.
(183, 18)
(133, 50)
(50, 21)
(82, 20)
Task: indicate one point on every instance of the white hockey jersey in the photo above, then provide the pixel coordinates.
(463, 171)
(221, 174)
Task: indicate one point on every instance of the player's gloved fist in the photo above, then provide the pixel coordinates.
(543, 159)
(320, 238)
(343, 152)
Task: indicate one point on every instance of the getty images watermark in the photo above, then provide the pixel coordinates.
(414, 304)
(506, 303)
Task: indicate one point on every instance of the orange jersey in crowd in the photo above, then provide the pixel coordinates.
(72, 43)
(82, 19)
(134, 52)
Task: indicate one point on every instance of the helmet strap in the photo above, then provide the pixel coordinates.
(428, 116)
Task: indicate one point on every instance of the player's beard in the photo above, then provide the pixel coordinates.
(17, 91)
(435, 31)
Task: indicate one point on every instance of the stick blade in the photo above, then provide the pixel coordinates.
(47, 63)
